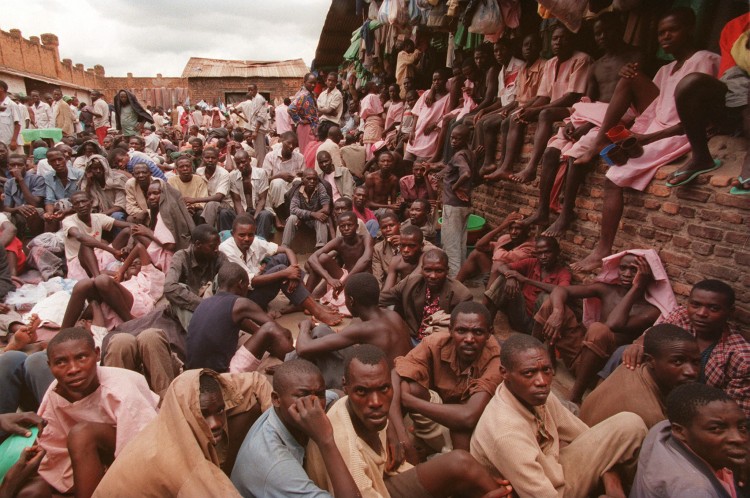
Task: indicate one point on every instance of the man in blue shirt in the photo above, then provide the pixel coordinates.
(60, 185)
(24, 195)
(120, 159)
(269, 463)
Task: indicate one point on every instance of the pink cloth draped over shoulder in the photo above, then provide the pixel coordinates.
(160, 257)
(395, 114)
(658, 293)
(425, 145)
(661, 114)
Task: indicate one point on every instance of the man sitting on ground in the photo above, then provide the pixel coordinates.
(219, 210)
(381, 327)
(192, 273)
(519, 289)
(411, 247)
(60, 185)
(336, 179)
(91, 413)
(420, 216)
(282, 165)
(353, 254)
(190, 186)
(359, 429)
(629, 303)
(420, 295)
(691, 454)
(214, 329)
(726, 352)
(527, 436)
(310, 206)
(385, 250)
(200, 426)
(271, 268)
(24, 195)
(270, 460)
(449, 378)
(86, 253)
(255, 188)
(671, 358)
(490, 252)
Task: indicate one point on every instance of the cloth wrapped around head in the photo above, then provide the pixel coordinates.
(174, 455)
(658, 293)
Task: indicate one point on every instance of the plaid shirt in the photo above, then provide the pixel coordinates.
(728, 366)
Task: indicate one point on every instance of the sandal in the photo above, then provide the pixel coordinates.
(693, 175)
(743, 188)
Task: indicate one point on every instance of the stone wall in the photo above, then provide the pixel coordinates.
(700, 231)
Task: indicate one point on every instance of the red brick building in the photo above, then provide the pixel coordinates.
(214, 80)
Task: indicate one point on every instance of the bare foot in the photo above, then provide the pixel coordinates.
(527, 175)
(590, 262)
(326, 315)
(487, 169)
(535, 219)
(274, 314)
(19, 340)
(279, 223)
(560, 225)
(499, 174)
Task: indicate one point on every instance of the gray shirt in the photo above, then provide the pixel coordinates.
(186, 276)
(269, 463)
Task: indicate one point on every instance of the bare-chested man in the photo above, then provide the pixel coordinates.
(353, 255)
(602, 80)
(382, 185)
(411, 246)
(624, 315)
(380, 327)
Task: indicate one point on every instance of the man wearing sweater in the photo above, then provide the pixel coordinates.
(520, 433)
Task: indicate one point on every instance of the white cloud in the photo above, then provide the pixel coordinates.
(145, 37)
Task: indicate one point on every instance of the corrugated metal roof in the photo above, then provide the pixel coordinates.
(198, 67)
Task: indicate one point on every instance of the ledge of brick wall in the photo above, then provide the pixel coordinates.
(700, 231)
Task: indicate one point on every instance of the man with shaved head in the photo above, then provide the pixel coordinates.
(270, 459)
(527, 436)
(422, 294)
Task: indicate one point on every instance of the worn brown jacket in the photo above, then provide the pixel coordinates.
(408, 298)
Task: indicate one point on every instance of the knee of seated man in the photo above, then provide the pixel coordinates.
(35, 362)
(151, 337)
(627, 425)
(119, 342)
(598, 332)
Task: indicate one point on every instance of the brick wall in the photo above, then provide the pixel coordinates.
(700, 231)
(212, 89)
(40, 55)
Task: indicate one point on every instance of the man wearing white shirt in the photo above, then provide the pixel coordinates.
(283, 120)
(330, 101)
(101, 115)
(10, 118)
(253, 183)
(254, 111)
(25, 116)
(42, 112)
(282, 165)
(271, 268)
(219, 209)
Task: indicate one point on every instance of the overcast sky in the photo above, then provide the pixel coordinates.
(145, 37)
